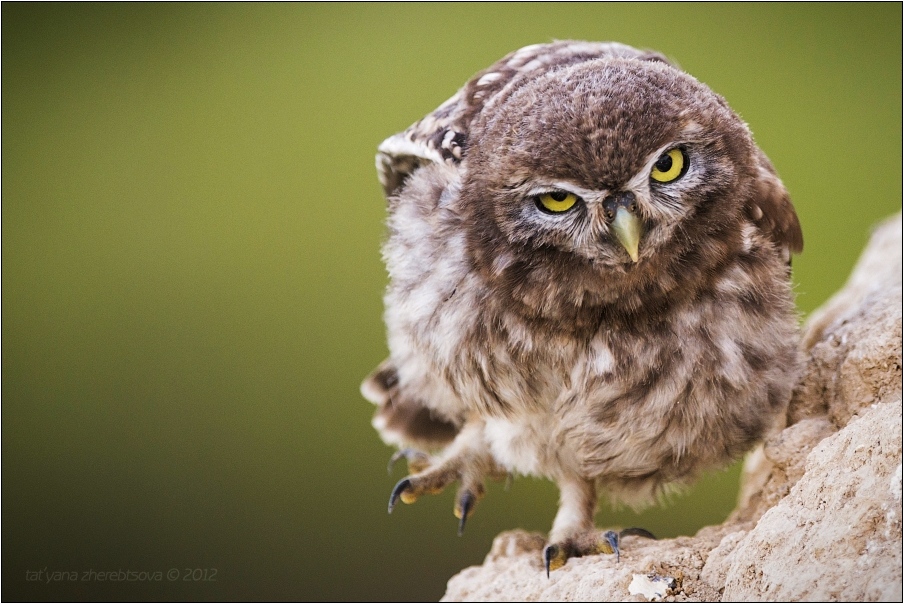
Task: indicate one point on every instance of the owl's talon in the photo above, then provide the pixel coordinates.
(397, 491)
(554, 557)
(463, 509)
(637, 532)
(417, 460)
(549, 553)
(609, 545)
(611, 540)
(392, 460)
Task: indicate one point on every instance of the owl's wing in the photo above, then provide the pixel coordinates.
(442, 136)
(399, 421)
(771, 210)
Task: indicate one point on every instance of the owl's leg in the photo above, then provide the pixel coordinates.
(465, 460)
(577, 504)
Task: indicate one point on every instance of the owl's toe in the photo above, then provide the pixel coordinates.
(468, 496)
(428, 482)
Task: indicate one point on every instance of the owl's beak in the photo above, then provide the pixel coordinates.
(627, 230)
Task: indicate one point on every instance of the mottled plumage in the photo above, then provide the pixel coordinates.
(589, 282)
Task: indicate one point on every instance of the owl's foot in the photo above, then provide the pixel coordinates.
(433, 481)
(465, 461)
(555, 555)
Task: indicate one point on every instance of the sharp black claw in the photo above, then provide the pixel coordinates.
(465, 503)
(639, 532)
(612, 538)
(397, 492)
(402, 453)
(549, 552)
(392, 460)
(408, 454)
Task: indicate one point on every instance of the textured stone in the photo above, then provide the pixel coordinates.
(837, 535)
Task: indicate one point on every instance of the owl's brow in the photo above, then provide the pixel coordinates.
(517, 185)
(572, 187)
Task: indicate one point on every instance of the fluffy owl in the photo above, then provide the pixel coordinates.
(589, 282)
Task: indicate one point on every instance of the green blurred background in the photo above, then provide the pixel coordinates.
(192, 279)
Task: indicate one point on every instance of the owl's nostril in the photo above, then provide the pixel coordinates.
(623, 199)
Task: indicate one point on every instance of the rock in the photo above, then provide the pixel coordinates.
(513, 572)
(837, 535)
(820, 512)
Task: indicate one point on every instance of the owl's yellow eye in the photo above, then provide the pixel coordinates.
(557, 201)
(670, 166)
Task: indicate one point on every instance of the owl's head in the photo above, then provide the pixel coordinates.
(592, 174)
(611, 174)
(608, 160)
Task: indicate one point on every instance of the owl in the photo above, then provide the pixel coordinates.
(589, 281)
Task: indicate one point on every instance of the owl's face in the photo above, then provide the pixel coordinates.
(618, 167)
